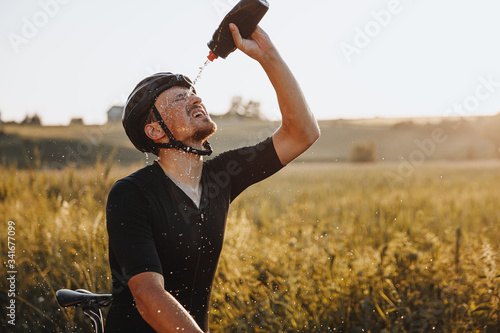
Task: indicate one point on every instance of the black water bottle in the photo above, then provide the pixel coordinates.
(246, 15)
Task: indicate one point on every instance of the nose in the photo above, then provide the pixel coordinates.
(194, 99)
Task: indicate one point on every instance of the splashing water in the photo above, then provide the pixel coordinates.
(190, 167)
(198, 77)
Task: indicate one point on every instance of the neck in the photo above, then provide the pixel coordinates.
(182, 167)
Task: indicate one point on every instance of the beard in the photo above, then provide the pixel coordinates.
(204, 131)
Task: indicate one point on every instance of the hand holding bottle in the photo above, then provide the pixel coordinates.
(246, 14)
(257, 46)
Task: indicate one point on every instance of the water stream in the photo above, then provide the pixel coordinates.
(198, 77)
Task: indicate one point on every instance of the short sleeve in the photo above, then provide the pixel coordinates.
(248, 165)
(129, 224)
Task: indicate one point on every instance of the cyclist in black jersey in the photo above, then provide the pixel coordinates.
(166, 221)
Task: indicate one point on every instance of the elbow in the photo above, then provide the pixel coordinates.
(144, 288)
(140, 299)
(317, 133)
(313, 134)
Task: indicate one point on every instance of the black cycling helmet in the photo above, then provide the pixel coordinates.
(139, 105)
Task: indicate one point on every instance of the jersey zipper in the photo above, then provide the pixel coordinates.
(202, 217)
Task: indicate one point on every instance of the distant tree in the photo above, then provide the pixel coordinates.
(404, 125)
(248, 110)
(363, 152)
(34, 120)
(252, 110)
(236, 107)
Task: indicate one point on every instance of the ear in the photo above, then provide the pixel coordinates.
(154, 131)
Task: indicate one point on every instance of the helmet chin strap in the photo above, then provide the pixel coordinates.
(174, 143)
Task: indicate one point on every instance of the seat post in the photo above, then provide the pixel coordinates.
(95, 314)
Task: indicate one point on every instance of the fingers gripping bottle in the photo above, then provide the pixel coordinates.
(246, 15)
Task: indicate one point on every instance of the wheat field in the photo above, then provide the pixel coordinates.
(315, 248)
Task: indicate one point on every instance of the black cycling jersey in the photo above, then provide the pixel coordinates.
(154, 226)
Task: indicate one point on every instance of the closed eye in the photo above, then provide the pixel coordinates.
(180, 97)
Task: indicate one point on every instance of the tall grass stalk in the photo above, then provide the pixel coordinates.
(318, 248)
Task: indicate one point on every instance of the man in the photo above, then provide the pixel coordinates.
(166, 221)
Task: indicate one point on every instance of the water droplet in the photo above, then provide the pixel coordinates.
(197, 77)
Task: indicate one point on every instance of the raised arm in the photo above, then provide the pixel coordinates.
(299, 129)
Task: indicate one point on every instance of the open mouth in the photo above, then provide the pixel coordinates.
(198, 114)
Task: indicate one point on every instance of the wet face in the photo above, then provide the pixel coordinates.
(185, 116)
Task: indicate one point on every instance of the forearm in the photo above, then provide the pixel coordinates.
(299, 129)
(163, 312)
(297, 119)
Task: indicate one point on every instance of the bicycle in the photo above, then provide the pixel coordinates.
(90, 303)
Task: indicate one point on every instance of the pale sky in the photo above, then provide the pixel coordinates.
(68, 59)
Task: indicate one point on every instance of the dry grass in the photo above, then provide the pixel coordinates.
(313, 249)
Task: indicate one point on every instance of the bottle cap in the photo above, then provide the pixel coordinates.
(212, 56)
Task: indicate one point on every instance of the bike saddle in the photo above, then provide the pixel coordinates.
(82, 298)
